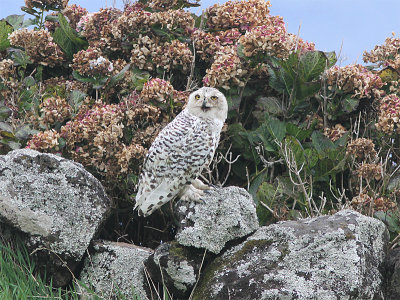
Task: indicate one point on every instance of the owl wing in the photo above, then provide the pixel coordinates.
(175, 158)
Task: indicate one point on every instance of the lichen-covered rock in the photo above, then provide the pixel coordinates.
(227, 214)
(179, 266)
(56, 204)
(116, 269)
(392, 275)
(330, 257)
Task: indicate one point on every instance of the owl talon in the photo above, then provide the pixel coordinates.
(192, 194)
(200, 185)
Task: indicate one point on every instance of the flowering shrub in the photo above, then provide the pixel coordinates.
(311, 137)
(91, 62)
(238, 14)
(355, 80)
(39, 46)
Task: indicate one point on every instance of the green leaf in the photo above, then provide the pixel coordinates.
(6, 127)
(320, 142)
(271, 105)
(67, 38)
(29, 81)
(15, 21)
(160, 31)
(305, 90)
(238, 136)
(30, 22)
(342, 141)
(20, 58)
(277, 129)
(61, 143)
(331, 58)
(5, 112)
(312, 64)
(76, 98)
(5, 30)
(350, 104)
(255, 184)
(298, 133)
(240, 53)
(390, 219)
(24, 132)
(13, 145)
(117, 77)
(81, 78)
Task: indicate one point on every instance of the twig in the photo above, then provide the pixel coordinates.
(198, 275)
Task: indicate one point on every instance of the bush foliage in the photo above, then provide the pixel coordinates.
(304, 136)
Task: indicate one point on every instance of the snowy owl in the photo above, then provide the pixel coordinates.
(181, 151)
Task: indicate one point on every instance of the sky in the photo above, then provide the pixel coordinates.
(346, 26)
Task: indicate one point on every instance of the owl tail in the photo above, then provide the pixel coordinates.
(148, 202)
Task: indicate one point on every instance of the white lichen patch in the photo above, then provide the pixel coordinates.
(330, 257)
(70, 200)
(227, 214)
(116, 267)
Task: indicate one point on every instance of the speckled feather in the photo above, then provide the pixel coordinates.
(176, 157)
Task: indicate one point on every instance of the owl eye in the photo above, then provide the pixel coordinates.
(214, 97)
(197, 97)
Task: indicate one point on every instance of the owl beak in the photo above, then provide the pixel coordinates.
(204, 104)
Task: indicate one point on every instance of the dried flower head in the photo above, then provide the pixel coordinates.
(46, 4)
(384, 52)
(157, 90)
(354, 79)
(335, 133)
(207, 44)
(7, 69)
(370, 171)
(298, 44)
(364, 203)
(226, 69)
(171, 4)
(91, 62)
(362, 148)
(74, 13)
(389, 114)
(55, 109)
(361, 200)
(150, 53)
(136, 21)
(237, 14)
(46, 140)
(269, 39)
(39, 45)
(97, 28)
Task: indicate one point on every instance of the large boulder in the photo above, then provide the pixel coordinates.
(176, 267)
(55, 205)
(329, 257)
(392, 275)
(226, 214)
(116, 269)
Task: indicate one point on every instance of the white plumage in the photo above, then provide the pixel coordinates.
(181, 151)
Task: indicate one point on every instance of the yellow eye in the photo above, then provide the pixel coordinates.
(214, 98)
(197, 97)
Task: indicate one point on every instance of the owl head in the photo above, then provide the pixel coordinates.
(208, 102)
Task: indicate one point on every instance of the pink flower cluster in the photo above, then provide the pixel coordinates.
(354, 79)
(389, 114)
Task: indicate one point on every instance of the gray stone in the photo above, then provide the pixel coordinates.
(56, 203)
(329, 257)
(176, 267)
(227, 214)
(116, 269)
(392, 275)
